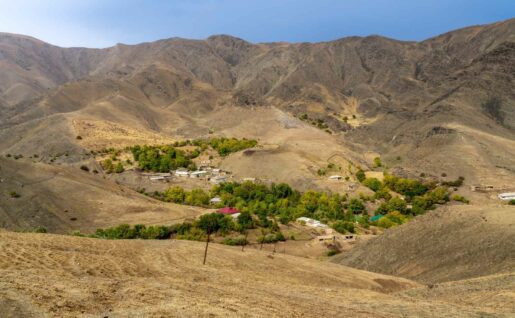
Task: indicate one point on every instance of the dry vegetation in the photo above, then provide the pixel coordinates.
(59, 276)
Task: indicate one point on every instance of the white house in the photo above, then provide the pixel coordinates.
(507, 196)
(198, 174)
(215, 200)
(312, 223)
(182, 173)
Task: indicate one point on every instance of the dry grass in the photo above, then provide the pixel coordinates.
(61, 276)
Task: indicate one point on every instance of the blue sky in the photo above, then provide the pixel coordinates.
(102, 23)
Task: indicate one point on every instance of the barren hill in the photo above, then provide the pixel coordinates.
(61, 276)
(451, 243)
(64, 199)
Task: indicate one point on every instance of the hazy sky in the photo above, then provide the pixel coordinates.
(101, 23)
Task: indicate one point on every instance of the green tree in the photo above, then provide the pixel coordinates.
(209, 223)
(373, 183)
(175, 194)
(356, 206)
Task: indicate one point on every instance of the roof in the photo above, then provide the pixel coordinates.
(376, 217)
(507, 196)
(198, 172)
(228, 210)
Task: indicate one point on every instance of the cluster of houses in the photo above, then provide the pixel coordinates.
(213, 175)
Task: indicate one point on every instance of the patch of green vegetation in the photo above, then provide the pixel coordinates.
(511, 202)
(360, 175)
(456, 183)
(377, 162)
(344, 227)
(407, 187)
(40, 229)
(235, 241)
(460, 198)
(332, 252)
(226, 146)
(126, 232)
(161, 158)
(271, 238)
(373, 184)
(14, 194)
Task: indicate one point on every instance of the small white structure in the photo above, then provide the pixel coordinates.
(182, 173)
(335, 177)
(215, 200)
(508, 196)
(157, 178)
(198, 174)
(249, 179)
(235, 215)
(312, 223)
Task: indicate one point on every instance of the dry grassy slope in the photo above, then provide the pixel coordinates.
(451, 243)
(61, 276)
(52, 195)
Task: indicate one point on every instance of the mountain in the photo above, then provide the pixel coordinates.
(445, 104)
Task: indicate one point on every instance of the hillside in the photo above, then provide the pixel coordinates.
(451, 243)
(64, 199)
(62, 276)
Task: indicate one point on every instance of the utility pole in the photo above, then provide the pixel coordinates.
(205, 251)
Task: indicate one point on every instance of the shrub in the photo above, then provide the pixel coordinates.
(119, 168)
(332, 252)
(40, 229)
(460, 198)
(385, 222)
(85, 168)
(456, 183)
(107, 165)
(511, 202)
(14, 194)
(79, 137)
(237, 241)
(373, 183)
(344, 227)
(377, 162)
(360, 175)
(271, 238)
